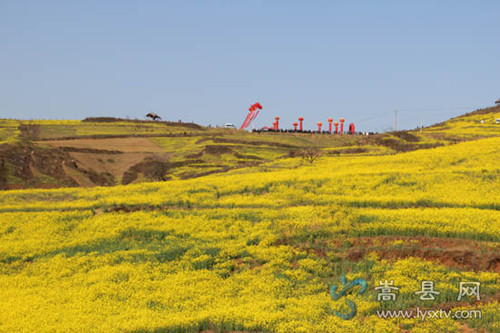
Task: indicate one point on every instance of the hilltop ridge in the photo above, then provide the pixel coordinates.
(106, 151)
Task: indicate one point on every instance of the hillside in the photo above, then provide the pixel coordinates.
(109, 151)
(258, 247)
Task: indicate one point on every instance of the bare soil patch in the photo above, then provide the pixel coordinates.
(217, 149)
(115, 164)
(110, 144)
(451, 252)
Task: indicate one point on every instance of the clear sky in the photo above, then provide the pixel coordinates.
(208, 61)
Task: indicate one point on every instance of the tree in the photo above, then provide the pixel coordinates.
(311, 155)
(153, 116)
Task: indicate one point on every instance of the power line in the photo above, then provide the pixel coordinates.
(374, 117)
(419, 111)
(444, 108)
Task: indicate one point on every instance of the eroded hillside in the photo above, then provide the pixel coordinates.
(109, 151)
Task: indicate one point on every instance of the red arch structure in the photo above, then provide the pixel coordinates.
(351, 128)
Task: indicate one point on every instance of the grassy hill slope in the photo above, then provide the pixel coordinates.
(257, 249)
(108, 151)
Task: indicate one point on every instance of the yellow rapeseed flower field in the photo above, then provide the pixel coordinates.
(258, 249)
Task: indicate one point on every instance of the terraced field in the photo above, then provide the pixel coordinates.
(109, 151)
(258, 248)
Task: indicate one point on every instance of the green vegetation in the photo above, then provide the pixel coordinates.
(107, 151)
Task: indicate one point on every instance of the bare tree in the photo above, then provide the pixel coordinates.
(311, 155)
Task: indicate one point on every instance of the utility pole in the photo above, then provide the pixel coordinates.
(421, 123)
(395, 120)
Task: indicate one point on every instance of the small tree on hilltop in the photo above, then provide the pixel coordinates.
(153, 116)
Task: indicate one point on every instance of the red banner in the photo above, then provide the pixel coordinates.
(254, 111)
(248, 119)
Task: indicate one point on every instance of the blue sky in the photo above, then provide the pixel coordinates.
(208, 61)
